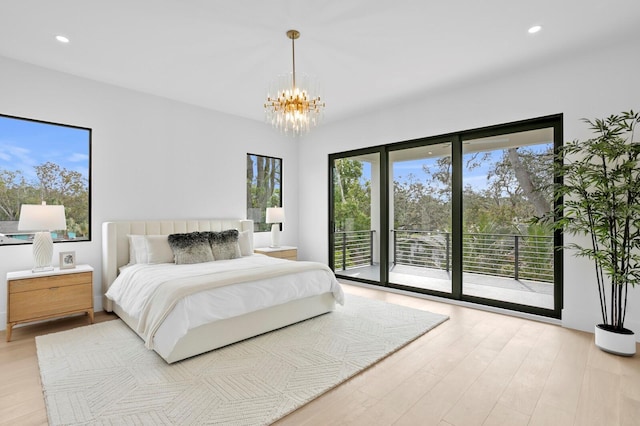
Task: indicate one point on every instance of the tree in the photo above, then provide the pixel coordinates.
(14, 191)
(263, 187)
(533, 174)
(420, 207)
(54, 185)
(517, 188)
(352, 196)
(519, 185)
(59, 185)
(601, 200)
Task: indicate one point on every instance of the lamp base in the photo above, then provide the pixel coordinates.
(42, 251)
(275, 235)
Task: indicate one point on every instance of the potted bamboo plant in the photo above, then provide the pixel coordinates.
(601, 201)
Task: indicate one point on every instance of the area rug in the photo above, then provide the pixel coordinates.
(102, 373)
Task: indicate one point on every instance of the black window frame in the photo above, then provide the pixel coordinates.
(65, 239)
(259, 212)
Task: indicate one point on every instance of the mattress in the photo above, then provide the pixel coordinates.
(136, 285)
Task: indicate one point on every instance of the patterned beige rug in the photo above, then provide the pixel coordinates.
(102, 373)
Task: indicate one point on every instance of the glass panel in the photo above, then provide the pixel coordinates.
(264, 188)
(356, 216)
(420, 217)
(507, 180)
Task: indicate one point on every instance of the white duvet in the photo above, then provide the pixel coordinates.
(137, 283)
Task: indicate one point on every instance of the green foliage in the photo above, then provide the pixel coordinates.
(14, 189)
(422, 210)
(536, 251)
(352, 196)
(420, 207)
(55, 185)
(485, 250)
(520, 181)
(61, 186)
(264, 181)
(601, 199)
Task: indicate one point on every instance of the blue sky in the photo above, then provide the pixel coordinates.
(477, 177)
(25, 144)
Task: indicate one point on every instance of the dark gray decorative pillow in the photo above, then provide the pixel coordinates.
(224, 245)
(193, 247)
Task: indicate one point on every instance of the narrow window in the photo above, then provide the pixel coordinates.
(264, 188)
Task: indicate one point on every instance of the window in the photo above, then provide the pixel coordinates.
(264, 188)
(42, 161)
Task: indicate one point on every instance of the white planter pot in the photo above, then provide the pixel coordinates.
(615, 342)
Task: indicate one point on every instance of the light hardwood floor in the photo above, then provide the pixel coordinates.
(478, 368)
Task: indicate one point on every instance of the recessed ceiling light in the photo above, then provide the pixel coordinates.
(534, 29)
(62, 39)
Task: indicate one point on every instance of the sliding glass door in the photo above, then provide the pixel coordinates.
(355, 220)
(507, 182)
(420, 217)
(451, 216)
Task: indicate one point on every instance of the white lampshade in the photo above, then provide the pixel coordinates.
(42, 218)
(275, 215)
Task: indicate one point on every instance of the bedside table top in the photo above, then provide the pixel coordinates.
(17, 275)
(274, 249)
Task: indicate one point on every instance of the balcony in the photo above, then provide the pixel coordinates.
(508, 267)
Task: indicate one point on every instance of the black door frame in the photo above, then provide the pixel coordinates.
(457, 138)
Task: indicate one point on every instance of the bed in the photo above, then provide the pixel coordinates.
(271, 293)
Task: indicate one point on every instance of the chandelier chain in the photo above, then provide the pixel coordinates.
(293, 60)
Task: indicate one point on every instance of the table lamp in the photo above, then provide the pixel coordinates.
(275, 215)
(43, 219)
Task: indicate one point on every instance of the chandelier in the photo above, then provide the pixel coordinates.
(292, 107)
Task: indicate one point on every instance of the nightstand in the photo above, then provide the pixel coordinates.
(282, 252)
(35, 296)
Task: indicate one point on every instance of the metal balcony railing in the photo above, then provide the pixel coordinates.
(353, 249)
(528, 257)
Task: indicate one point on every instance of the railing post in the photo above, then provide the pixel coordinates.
(517, 258)
(395, 255)
(344, 251)
(371, 246)
(447, 248)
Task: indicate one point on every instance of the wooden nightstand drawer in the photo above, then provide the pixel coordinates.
(35, 296)
(49, 301)
(31, 284)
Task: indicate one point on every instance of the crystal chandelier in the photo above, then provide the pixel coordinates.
(290, 106)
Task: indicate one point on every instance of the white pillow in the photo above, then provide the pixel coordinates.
(149, 249)
(245, 242)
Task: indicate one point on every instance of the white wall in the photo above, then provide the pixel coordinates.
(594, 84)
(152, 158)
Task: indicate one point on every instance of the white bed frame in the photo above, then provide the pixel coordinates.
(115, 254)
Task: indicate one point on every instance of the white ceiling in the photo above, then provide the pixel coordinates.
(366, 54)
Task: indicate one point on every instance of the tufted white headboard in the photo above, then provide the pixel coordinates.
(115, 243)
